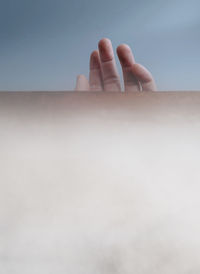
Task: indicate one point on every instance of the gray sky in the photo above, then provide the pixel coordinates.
(44, 44)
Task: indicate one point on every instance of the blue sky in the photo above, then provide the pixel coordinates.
(44, 44)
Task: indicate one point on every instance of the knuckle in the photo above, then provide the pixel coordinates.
(111, 79)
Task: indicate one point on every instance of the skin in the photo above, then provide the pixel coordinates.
(104, 75)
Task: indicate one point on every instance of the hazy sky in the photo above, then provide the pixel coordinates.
(44, 44)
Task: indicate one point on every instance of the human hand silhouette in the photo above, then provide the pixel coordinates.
(104, 75)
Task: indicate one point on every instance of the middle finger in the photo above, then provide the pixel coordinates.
(111, 78)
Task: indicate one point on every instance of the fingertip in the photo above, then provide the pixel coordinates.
(93, 54)
(120, 49)
(125, 56)
(94, 59)
(103, 42)
(81, 83)
(105, 50)
(79, 76)
(142, 73)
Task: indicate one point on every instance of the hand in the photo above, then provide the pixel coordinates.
(104, 75)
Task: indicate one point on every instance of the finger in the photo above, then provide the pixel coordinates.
(82, 83)
(144, 77)
(96, 81)
(127, 61)
(111, 78)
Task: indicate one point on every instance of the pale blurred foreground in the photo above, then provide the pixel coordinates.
(100, 183)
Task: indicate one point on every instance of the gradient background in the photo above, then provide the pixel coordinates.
(44, 44)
